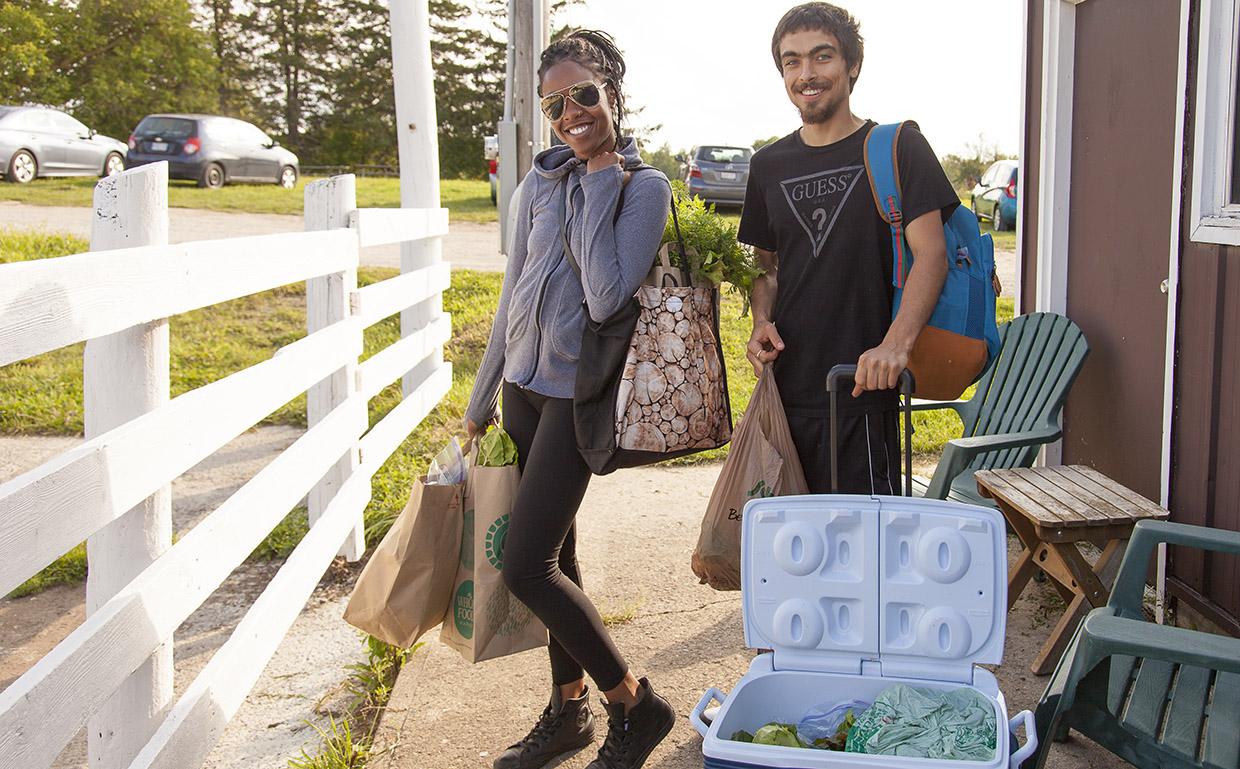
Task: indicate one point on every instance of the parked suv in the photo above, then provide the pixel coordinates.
(211, 150)
(716, 174)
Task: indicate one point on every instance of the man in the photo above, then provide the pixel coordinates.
(826, 295)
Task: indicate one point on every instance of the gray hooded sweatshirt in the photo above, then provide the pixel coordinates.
(536, 336)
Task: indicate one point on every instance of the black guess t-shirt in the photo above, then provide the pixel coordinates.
(813, 206)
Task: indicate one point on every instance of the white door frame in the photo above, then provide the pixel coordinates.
(1055, 166)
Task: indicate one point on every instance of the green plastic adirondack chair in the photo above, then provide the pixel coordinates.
(1015, 409)
(1154, 695)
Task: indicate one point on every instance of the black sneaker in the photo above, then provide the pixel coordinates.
(630, 740)
(563, 726)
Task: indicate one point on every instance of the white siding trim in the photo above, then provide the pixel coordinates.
(1212, 219)
(1173, 296)
(1055, 167)
(1020, 177)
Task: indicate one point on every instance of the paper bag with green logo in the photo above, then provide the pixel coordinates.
(484, 620)
(762, 462)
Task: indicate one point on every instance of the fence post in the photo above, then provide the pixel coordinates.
(125, 375)
(328, 203)
(418, 146)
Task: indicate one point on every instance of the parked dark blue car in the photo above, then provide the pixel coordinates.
(994, 197)
(211, 150)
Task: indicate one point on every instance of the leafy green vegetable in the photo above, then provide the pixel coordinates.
(711, 245)
(741, 735)
(778, 734)
(840, 738)
(496, 449)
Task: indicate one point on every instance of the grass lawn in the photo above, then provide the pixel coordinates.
(467, 200)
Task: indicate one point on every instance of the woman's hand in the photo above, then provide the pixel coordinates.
(604, 159)
(473, 429)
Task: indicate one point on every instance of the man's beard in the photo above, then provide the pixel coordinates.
(820, 112)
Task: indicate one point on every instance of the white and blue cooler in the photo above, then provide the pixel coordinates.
(852, 594)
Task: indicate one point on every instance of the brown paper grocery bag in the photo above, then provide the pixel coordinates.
(407, 584)
(762, 462)
(484, 620)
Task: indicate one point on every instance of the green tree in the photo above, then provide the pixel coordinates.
(469, 83)
(359, 125)
(760, 143)
(296, 42)
(109, 62)
(663, 159)
(26, 72)
(233, 45)
(964, 170)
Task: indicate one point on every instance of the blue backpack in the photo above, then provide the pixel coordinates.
(961, 339)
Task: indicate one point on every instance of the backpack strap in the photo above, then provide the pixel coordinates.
(884, 174)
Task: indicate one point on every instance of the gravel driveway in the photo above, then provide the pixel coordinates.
(468, 245)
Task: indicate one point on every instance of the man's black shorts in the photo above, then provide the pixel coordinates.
(869, 460)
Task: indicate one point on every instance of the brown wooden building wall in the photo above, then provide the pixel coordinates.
(1205, 440)
(1119, 227)
(1125, 105)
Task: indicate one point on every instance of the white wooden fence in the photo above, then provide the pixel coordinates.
(114, 671)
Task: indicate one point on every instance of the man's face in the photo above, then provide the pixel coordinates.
(815, 74)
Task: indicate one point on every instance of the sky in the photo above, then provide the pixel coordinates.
(704, 69)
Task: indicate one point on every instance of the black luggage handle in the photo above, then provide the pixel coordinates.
(907, 386)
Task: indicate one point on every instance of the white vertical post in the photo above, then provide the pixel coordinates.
(124, 376)
(418, 145)
(328, 203)
(1055, 168)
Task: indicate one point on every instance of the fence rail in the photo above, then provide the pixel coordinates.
(96, 487)
(357, 169)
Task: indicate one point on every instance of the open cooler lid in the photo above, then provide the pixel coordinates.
(833, 580)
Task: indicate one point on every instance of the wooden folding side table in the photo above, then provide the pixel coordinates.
(1052, 510)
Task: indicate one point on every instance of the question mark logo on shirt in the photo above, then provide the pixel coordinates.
(820, 219)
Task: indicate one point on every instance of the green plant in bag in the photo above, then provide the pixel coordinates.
(710, 240)
(496, 449)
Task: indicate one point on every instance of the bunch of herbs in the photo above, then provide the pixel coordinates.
(711, 246)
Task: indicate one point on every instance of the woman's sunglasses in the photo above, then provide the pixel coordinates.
(585, 93)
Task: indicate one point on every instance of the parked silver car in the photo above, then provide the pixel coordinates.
(37, 141)
(715, 173)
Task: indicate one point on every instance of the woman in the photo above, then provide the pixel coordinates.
(534, 346)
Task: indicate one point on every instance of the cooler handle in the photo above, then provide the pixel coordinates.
(695, 717)
(1031, 737)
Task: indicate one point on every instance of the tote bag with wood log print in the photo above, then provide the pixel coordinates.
(673, 392)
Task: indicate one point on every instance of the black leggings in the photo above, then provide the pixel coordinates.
(540, 553)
